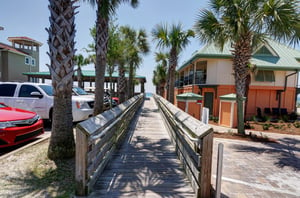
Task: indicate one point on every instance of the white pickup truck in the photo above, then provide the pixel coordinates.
(38, 97)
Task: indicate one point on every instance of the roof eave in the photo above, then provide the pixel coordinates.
(208, 56)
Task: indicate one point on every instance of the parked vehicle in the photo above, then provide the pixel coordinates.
(38, 97)
(18, 126)
(77, 91)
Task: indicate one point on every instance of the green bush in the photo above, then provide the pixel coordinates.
(266, 126)
(296, 124)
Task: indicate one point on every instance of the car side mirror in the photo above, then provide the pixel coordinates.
(36, 94)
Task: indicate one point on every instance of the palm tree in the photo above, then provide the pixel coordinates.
(136, 44)
(61, 52)
(155, 81)
(80, 61)
(161, 71)
(174, 39)
(105, 9)
(245, 24)
(113, 52)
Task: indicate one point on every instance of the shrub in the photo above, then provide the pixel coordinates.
(266, 126)
(296, 124)
(248, 126)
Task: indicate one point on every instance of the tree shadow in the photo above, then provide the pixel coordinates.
(45, 182)
(284, 151)
(144, 165)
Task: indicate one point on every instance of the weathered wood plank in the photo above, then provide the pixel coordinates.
(191, 137)
(81, 162)
(145, 164)
(96, 142)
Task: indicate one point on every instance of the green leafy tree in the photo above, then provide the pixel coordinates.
(105, 10)
(61, 52)
(175, 39)
(113, 52)
(136, 45)
(245, 24)
(80, 61)
(160, 72)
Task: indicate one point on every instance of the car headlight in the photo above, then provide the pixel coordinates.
(4, 125)
(15, 123)
(82, 105)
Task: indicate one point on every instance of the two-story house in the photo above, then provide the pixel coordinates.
(273, 85)
(19, 57)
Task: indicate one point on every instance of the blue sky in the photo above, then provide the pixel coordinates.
(31, 17)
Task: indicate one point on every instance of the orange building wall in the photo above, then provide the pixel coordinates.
(259, 96)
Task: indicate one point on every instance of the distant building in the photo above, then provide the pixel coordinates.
(273, 84)
(19, 57)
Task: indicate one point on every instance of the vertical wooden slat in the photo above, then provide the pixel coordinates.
(206, 163)
(117, 125)
(81, 162)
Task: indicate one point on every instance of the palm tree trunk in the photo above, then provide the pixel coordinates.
(130, 81)
(101, 51)
(171, 75)
(242, 55)
(79, 77)
(162, 88)
(61, 47)
(121, 84)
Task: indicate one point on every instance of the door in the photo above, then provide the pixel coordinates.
(32, 103)
(209, 101)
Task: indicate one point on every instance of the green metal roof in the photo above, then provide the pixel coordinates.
(285, 57)
(86, 73)
(189, 96)
(231, 96)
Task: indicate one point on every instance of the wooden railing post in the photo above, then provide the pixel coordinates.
(96, 140)
(81, 162)
(193, 140)
(206, 163)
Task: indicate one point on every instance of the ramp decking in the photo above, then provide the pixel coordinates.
(146, 165)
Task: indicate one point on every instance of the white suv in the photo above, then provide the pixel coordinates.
(38, 97)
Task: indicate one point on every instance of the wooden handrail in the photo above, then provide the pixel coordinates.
(96, 140)
(194, 141)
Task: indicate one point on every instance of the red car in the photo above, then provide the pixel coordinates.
(18, 126)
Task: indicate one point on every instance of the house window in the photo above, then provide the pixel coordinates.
(264, 51)
(33, 61)
(27, 60)
(265, 76)
(200, 77)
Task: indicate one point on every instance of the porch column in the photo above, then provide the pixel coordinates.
(142, 87)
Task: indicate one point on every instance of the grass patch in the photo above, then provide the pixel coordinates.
(39, 176)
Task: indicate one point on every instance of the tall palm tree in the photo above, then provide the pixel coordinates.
(245, 24)
(136, 45)
(175, 39)
(61, 52)
(105, 10)
(80, 61)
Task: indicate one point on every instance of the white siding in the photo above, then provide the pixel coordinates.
(220, 72)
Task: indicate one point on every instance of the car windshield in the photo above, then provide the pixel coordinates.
(80, 91)
(48, 89)
(2, 105)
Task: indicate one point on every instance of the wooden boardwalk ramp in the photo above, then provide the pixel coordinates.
(146, 164)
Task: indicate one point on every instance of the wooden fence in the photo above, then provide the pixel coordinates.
(96, 140)
(194, 142)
